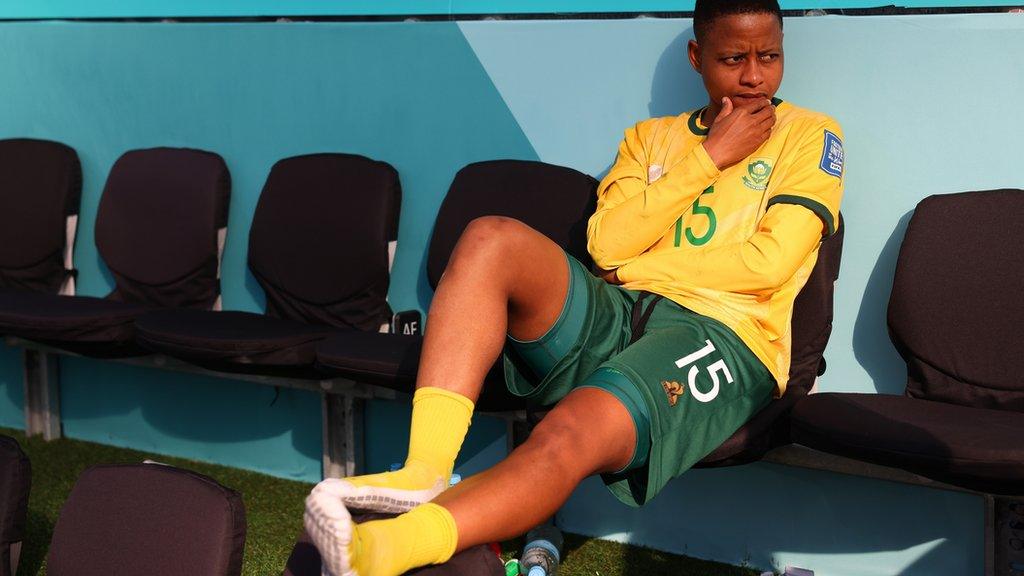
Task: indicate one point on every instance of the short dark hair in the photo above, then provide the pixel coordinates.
(707, 11)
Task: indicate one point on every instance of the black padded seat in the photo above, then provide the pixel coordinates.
(241, 338)
(40, 189)
(157, 231)
(391, 361)
(978, 448)
(83, 324)
(15, 482)
(553, 200)
(148, 520)
(811, 328)
(767, 429)
(319, 247)
(954, 316)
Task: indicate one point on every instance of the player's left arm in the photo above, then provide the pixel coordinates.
(801, 211)
(816, 180)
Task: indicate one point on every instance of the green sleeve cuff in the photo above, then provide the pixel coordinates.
(812, 205)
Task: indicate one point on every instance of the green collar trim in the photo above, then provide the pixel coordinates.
(694, 123)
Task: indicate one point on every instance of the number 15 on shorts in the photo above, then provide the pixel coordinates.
(714, 369)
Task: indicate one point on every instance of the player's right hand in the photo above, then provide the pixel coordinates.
(609, 276)
(738, 131)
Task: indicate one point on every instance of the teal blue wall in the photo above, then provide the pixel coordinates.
(767, 516)
(927, 104)
(413, 95)
(12, 393)
(204, 8)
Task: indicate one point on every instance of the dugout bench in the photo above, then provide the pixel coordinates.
(364, 365)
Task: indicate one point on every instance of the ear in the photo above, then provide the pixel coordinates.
(693, 51)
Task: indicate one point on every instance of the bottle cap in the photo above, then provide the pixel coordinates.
(455, 479)
(512, 567)
(545, 545)
(546, 532)
(538, 571)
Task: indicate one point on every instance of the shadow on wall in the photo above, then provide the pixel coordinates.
(86, 256)
(252, 286)
(107, 276)
(676, 87)
(220, 411)
(873, 350)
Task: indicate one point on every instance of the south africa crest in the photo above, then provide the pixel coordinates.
(758, 173)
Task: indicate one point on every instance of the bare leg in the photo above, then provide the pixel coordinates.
(503, 278)
(588, 432)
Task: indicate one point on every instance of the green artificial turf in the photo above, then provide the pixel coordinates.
(274, 512)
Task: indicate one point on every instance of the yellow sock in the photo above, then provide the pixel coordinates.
(425, 535)
(440, 420)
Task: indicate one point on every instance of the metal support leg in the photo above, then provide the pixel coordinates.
(510, 435)
(342, 435)
(991, 521)
(520, 432)
(519, 428)
(15, 556)
(42, 394)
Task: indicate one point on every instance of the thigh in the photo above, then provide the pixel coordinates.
(592, 327)
(700, 383)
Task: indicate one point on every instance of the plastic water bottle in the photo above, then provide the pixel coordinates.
(792, 571)
(542, 552)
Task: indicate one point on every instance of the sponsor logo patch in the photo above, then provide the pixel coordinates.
(674, 390)
(758, 173)
(832, 156)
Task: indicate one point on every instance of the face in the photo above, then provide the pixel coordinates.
(740, 58)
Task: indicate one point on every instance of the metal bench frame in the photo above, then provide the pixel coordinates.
(343, 403)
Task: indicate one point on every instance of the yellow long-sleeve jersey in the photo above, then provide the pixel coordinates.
(736, 245)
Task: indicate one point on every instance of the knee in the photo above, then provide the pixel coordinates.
(571, 434)
(561, 440)
(492, 238)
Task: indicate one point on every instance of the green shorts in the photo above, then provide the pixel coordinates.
(689, 382)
